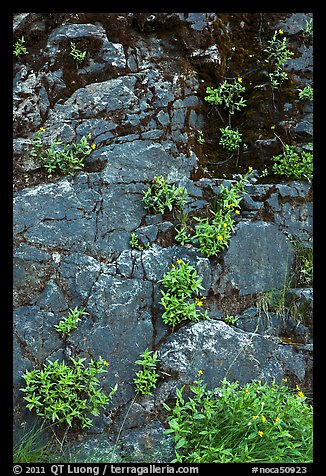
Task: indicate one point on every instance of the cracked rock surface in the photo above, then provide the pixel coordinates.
(140, 94)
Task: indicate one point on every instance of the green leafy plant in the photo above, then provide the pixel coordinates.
(179, 301)
(294, 164)
(278, 55)
(308, 30)
(67, 159)
(19, 48)
(146, 378)
(69, 323)
(256, 423)
(228, 95)
(135, 243)
(307, 93)
(200, 138)
(182, 235)
(65, 393)
(78, 56)
(230, 139)
(161, 196)
(212, 234)
(232, 320)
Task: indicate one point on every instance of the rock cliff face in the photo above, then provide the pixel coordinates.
(140, 93)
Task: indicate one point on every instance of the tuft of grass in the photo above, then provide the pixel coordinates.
(33, 447)
(256, 423)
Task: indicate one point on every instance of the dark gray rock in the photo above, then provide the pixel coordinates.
(297, 219)
(294, 23)
(220, 350)
(34, 327)
(30, 99)
(121, 313)
(259, 265)
(31, 268)
(267, 324)
(129, 264)
(52, 298)
(143, 160)
(109, 53)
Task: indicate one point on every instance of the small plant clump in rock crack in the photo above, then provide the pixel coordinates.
(212, 234)
(69, 323)
(180, 300)
(67, 159)
(145, 379)
(162, 196)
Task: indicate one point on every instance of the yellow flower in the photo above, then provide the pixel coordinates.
(105, 362)
(300, 394)
(200, 372)
(228, 206)
(281, 32)
(200, 303)
(263, 418)
(93, 146)
(277, 419)
(284, 379)
(42, 129)
(220, 237)
(247, 391)
(260, 433)
(233, 204)
(225, 225)
(237, 212)
(255, 417)
(179, 261)
(240, 80)
(250, 169)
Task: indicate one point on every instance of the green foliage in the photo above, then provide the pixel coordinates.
(19, 48)
(308, 30)
(182, 284)
(64, 393)
(256, 423)
(307, 93)
(182, 280)
(77, 55)
(146, 378)
(200, 138)
(232, 320)
(161, 196)
(136, 244)
(278, 55)
(182, 235)
(230, 139)
(67, 159)
(229, 95)
(293, 164)
(69, 323)
(212, 234)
